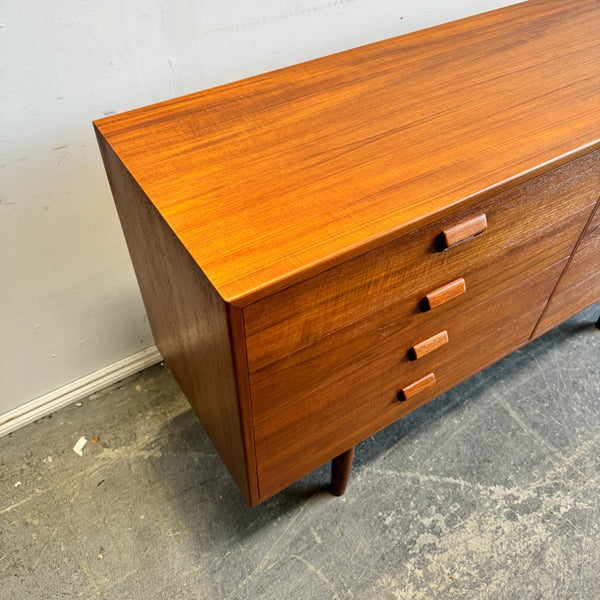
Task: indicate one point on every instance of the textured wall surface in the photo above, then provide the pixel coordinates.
(69, 303)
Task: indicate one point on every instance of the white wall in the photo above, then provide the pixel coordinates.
(69, 303)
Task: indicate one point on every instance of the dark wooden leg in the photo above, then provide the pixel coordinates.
(598, 323)
(340, 472)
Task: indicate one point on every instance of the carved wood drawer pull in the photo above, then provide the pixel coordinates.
(406, 393)
(446, 292)
(428, 345)
(463, 231)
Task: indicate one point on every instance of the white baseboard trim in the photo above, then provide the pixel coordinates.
(48, 403)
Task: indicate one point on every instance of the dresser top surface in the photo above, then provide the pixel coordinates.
(274, 178)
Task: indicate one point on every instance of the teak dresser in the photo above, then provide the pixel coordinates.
(325, 248)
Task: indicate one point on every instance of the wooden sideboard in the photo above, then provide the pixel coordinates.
(324, 248)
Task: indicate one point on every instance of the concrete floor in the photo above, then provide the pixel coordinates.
(490, 491)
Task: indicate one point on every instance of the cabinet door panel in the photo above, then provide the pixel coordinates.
(579, 286)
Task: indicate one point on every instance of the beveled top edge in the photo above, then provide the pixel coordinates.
(452, 146)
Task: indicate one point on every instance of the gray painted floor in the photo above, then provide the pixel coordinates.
(490, 491)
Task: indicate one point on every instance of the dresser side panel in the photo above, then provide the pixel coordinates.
(193, 327)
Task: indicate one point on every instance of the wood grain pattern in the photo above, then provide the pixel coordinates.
(594, 222)
(416, 387)
(190, 325)
(275, 178)
(579, 286)
(444, 294)
(396, 276)
(285, 369)
(298, 356)
(300, 427)
(463, 231)
(432, 343)
(285, 228)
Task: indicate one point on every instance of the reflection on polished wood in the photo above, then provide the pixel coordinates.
(286, 229)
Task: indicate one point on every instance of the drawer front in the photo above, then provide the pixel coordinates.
(579, 285)
(537, 220)
(400, 320)
(310, 411)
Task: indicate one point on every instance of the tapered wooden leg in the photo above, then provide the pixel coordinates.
(340, 472)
